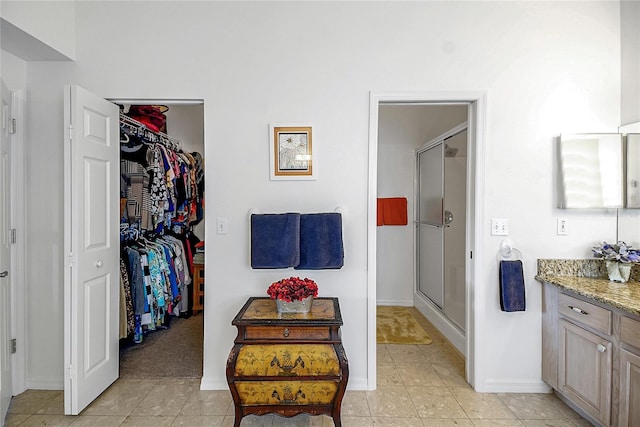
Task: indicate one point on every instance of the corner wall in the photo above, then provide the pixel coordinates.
(39, 30)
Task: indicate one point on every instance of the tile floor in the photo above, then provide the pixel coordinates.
(418, 385)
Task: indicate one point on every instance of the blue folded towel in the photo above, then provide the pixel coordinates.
(321, 241)
(275, 240)
(512, 286)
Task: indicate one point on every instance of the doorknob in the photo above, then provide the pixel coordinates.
(4, 274)
(99, 263)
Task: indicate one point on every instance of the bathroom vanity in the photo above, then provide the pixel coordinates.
(591, 340)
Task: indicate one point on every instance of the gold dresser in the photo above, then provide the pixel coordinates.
(288, 363)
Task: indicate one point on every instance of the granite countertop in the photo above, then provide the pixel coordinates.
(588, 278)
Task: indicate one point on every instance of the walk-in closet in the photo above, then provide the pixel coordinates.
(162, 202)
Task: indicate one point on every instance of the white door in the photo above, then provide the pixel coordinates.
(5, 255)
(91, 283)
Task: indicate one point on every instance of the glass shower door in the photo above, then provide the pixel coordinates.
(430, 223)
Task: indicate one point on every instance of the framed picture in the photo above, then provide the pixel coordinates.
(291, 148)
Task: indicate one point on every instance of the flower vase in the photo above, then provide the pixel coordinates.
(618, 271)
(300, 306)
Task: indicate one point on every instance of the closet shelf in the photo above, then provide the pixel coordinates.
(133, 127)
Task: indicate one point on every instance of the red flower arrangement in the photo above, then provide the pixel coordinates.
(293, 289)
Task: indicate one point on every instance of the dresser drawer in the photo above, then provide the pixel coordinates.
(585, 313)
(630, 331)
(286, 333)
(287, 360)
(286, 392)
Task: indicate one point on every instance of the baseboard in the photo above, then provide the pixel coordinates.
(44, 384)
(357, 384)
(515, 386)
(213, 384)
(398, 303)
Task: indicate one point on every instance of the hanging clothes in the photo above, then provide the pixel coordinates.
(162, 200)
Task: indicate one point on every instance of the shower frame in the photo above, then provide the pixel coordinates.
(431, 225)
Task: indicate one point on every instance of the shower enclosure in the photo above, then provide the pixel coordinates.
(440, 223)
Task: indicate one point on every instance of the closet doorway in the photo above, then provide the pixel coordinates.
(94, 224)
(174, 347)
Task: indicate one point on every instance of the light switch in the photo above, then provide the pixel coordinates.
(499, 227)
(221, 226)
(563, 227)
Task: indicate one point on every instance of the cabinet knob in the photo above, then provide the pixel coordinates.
(601, 348)
(285, 332)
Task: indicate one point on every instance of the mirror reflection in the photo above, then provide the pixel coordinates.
(591, 168)
(633, 170)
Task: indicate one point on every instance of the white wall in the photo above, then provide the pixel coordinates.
(13, 71)
(547, 68)
(401, 130)
(41, 30)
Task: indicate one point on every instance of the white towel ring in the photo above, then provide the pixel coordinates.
(507, 251)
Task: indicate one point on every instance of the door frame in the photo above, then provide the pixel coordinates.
(18, 251)
(475, 218)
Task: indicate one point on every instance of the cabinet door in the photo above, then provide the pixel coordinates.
(629, 389)
(584, 370)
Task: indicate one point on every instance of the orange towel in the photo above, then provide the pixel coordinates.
(394, 211)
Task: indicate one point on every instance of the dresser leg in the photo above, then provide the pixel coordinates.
(238, 418)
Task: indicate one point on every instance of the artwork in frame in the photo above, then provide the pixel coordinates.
(291, 152)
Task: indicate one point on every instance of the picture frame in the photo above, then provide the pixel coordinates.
(291, 149)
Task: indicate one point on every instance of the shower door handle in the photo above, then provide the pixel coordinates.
(448, 218)
(431, 224)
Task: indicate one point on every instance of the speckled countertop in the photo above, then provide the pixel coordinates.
(588, 277)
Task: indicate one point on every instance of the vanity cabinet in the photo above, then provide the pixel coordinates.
(629, 414)
(584, 370)
(591, 356)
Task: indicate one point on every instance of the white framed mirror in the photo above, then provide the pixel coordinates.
(592, 170)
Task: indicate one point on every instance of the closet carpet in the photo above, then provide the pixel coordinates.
(173, 352)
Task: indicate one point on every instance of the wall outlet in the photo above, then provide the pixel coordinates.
(499, 227)
(563, 227)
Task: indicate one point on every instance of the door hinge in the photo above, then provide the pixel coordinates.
(70, 132)
(13, 346)
(13, 126)
(13, 236)
(471, 254)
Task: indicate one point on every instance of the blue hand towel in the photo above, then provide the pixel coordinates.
(321, 241)
(275, 240)
(512, 286)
